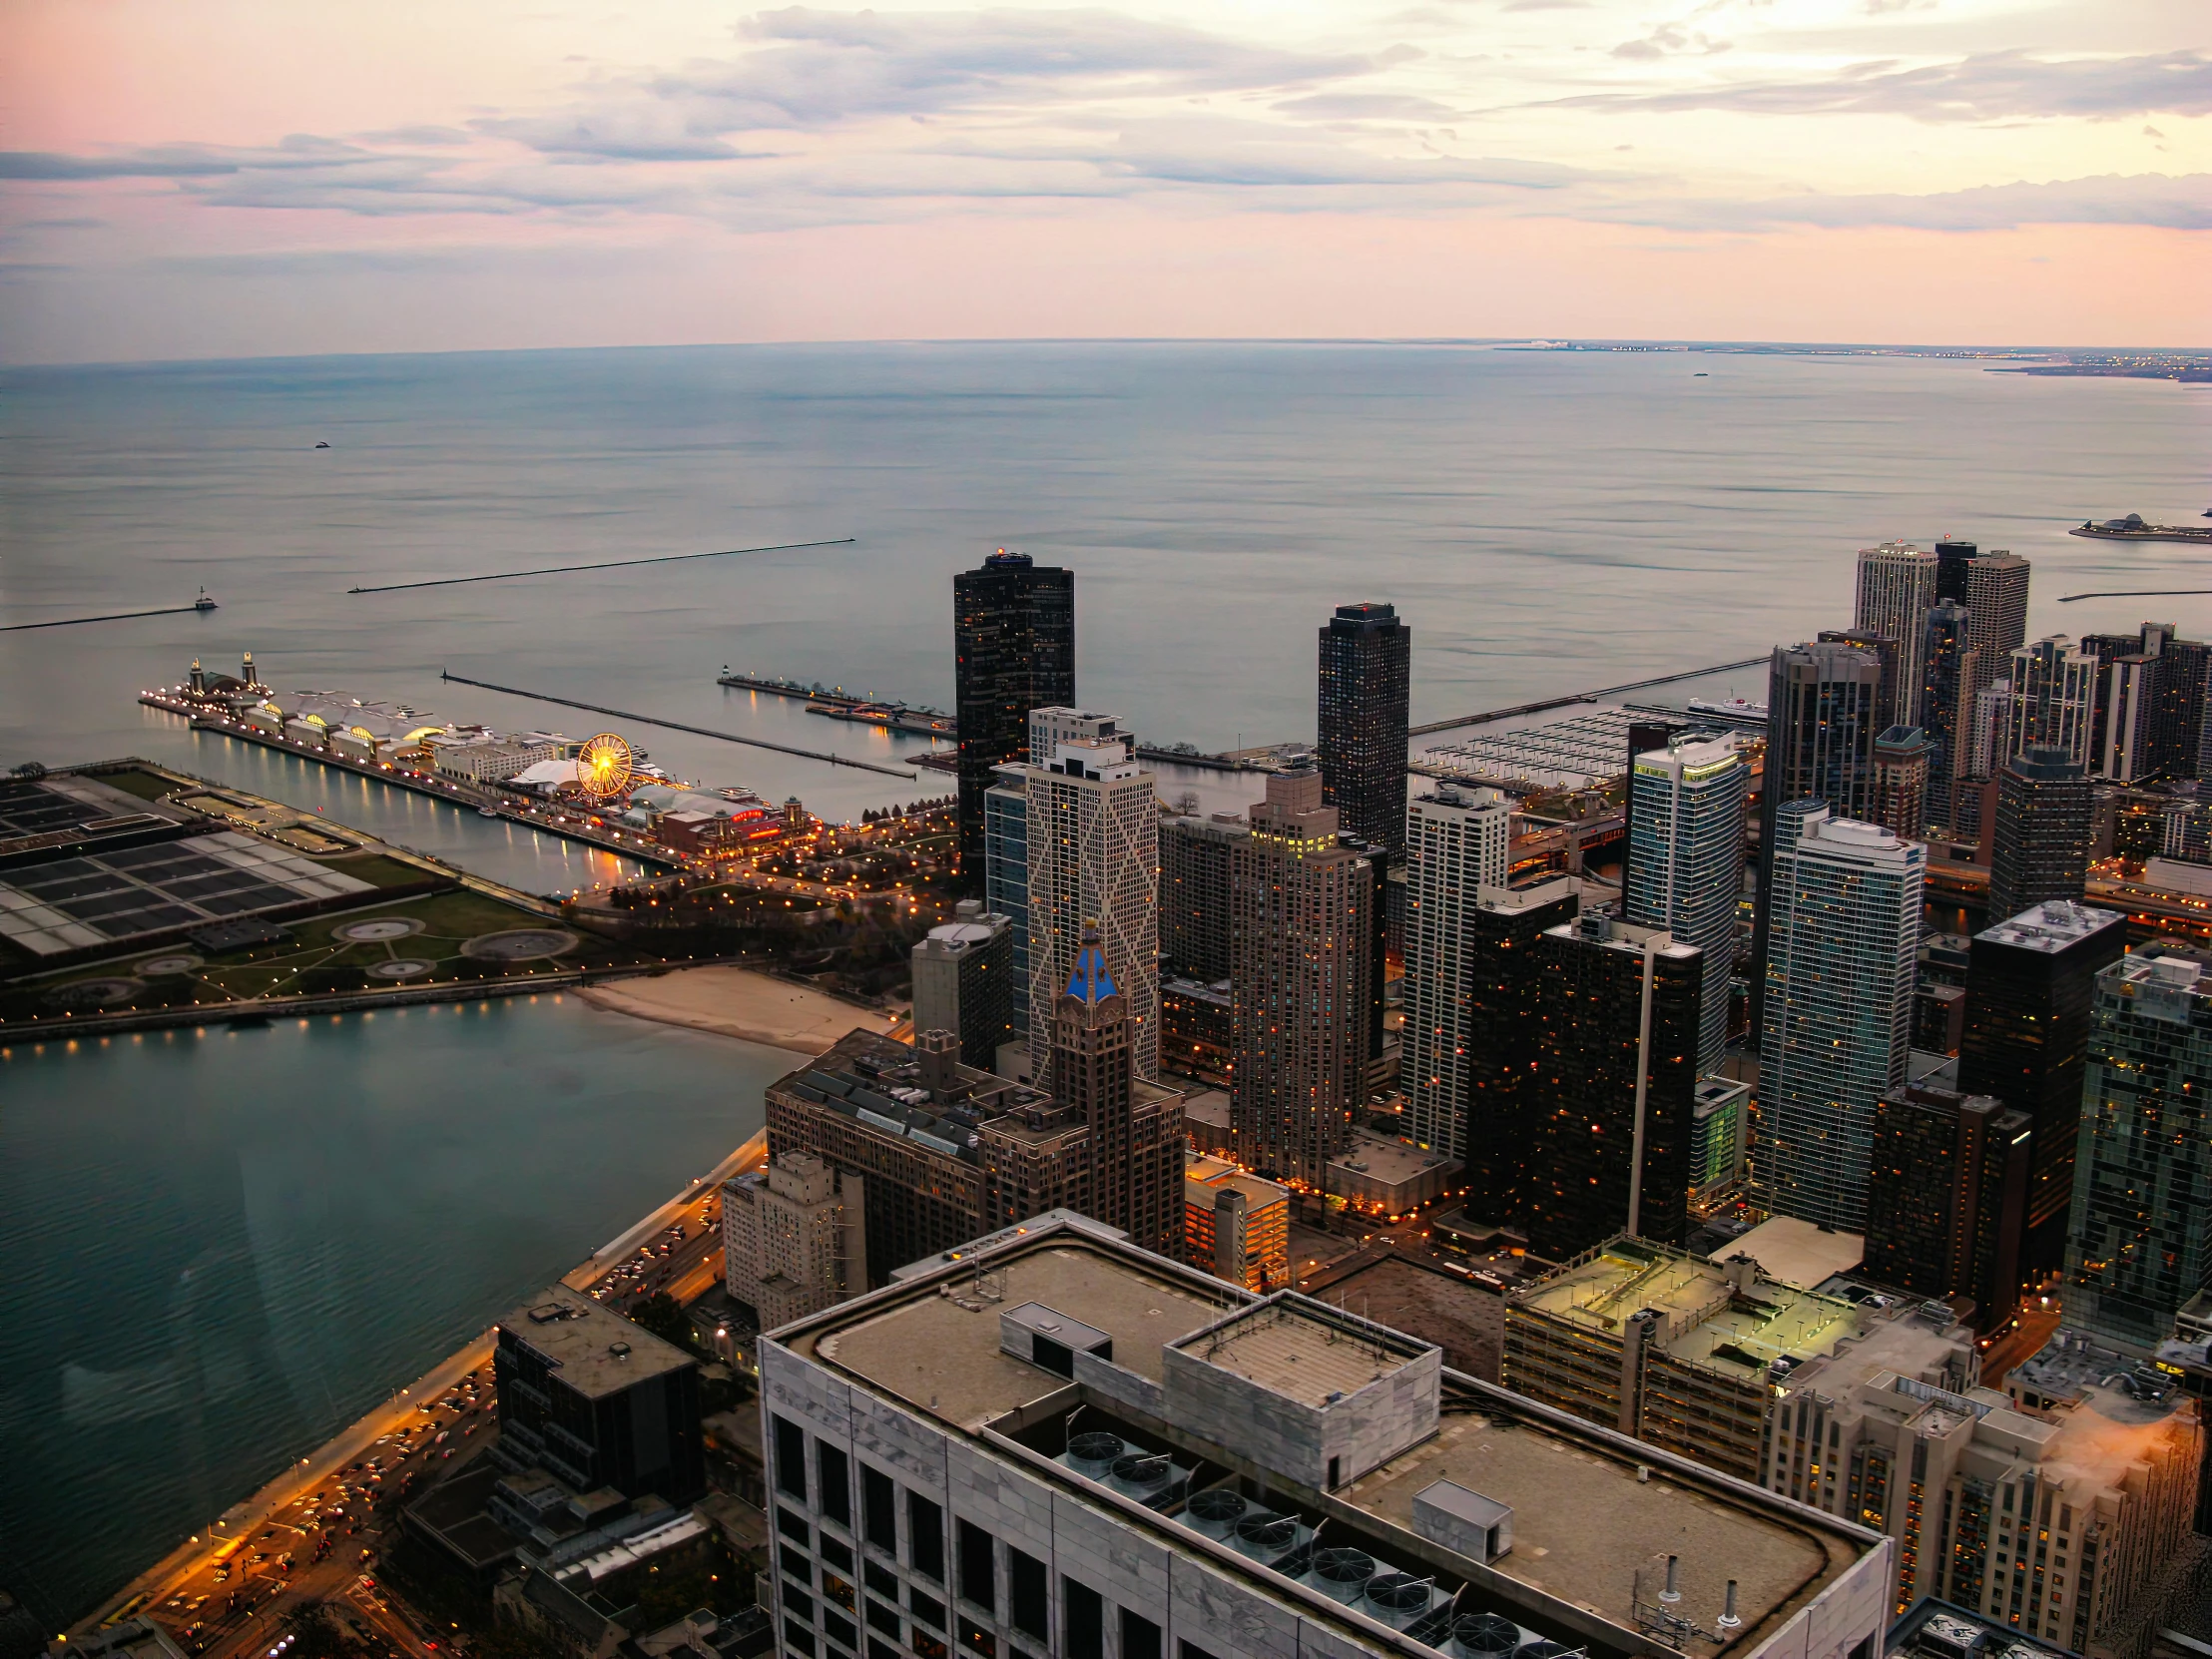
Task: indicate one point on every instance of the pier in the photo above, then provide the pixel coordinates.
(1538, 708)
(678, 725)
(453, 793)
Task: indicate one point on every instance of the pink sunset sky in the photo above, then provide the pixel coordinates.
(219, 177)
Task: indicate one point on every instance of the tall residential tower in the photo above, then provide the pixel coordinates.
(1366, 656)
(1014, 651)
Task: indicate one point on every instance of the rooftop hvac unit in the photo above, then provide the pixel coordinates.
(1142, 1474)
(1341, 1574)
(1215, 1513)
(1095, 1454)
(1396, 1598)
(1484, 1636)
(1266, 1537)
(1546, 1651)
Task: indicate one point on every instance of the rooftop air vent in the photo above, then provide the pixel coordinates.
(1484, 1636)
(1341, 1574)
(1396, 1598)
(1095, 1454)
(1215, 1513)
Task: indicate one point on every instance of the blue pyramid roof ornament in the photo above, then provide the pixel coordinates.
(1090, 982)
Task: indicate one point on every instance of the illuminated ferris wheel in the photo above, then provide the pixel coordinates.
(603, 767)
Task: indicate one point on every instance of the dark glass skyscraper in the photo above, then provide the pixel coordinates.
(2030, 985)
(1367, 665)
(2041, 846)
(1617, 1042)
(1823, 713)
(1013, 635)
(1503, 997)
(1948, 670)
(1947, 1198)
(2142, 1225)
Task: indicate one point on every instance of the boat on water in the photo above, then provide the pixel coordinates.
(2135, 528)
(486, 811)
(203, 603)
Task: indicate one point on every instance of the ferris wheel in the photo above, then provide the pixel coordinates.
(603, 767)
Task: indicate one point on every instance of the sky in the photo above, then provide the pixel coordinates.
(230, 177)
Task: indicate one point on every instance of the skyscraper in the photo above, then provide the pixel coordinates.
(1303, 951)
(2031, 991)
(2140, 1242)
(1992, 587)
(2041, 849)
(1947, 1198)
(1456, 844)
(1505, 1002)
(965, 983)
(1897, 588)
(1845, 924)
(2150, 703)
(1823, 702)
(1093, 842)
(1195, 905)
(1619, 1012)
(1900, 765)
(1686, 834)
(1892, 690)
(1136, 1144)
(1006, 874)
(1013, 627)
(1367, 658)
(1949, 672)
(2055, 695)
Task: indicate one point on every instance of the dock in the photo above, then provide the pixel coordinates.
(453, 792)
(1602, 692)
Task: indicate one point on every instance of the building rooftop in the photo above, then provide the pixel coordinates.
(1386, 1162)
(940, 1353)
(596, 1351)
(1583, 1523)
(2050, 926)
(1794, 1252)
(1593, 1515)
(1295, 1349)
(1740, 1328)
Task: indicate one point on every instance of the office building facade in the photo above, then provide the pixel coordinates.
(2039, 847)
(1136, 1139)
(597, 1400)
(1902, 758)
(1013, 627)
(1947, 1198)
(936, 1513)
(1195, 903)
(2150, 704)
(1844, 916)
(1006, 874)
(1686, 828)
(1895, 591)
(1367, 658)
(1823, 715)
(1092, 837)
(964, 982)
(2031, 1001)
(1619, 1018)
(792, 1238)
(1505, 1003)
(1456, 842)
(2140, 1229)
(1949, 675)
(2054, 705)
(1237, 1226)
(1303, 952)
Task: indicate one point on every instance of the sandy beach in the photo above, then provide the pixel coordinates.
(737, 1002)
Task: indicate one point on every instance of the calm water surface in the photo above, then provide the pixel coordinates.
(217, 1247)
(306, 1217)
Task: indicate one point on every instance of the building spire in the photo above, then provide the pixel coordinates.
(1090, 982)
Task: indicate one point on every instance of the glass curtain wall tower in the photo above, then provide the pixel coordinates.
(1013, 639)
(1686, 836)
(1367, 658)
(1837, 1018)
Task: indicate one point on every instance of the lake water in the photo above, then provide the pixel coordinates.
(355, 1197)
(217, 1247)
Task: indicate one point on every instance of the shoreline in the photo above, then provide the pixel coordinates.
(726, 1000)
(275, 1494)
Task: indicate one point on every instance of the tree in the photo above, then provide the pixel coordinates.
(664, 1315)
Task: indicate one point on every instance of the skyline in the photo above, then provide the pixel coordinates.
(239, 181)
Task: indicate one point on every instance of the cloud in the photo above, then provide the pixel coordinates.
(1668, 41)
(1989, 86)
(1367, 106)
(811, 68)
(2158, 199)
